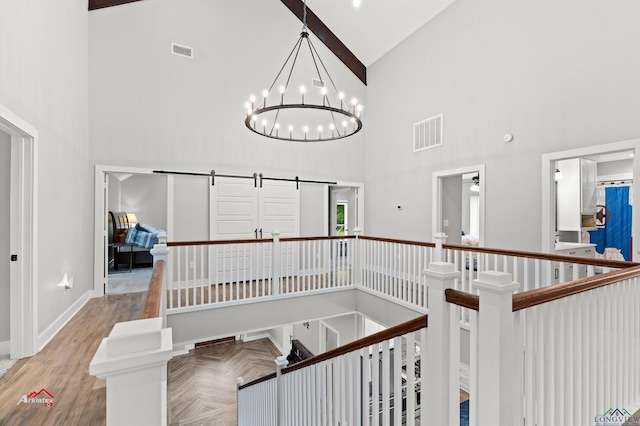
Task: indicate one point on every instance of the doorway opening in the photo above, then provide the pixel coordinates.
(344, 210)
(587, 199)
(459, 205)
(23, 139)
(123, 198)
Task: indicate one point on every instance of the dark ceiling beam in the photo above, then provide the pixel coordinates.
(99, 4)
(313, 23)
(328, 38)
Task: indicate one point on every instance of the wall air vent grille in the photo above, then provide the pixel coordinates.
(180, 50)
(427, 133)
(316, 82)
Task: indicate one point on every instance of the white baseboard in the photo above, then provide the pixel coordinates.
(63, 319)
(182, 348)
(464, 377)
(265, 336)
(5, 347)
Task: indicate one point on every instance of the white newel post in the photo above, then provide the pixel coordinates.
(133, 360)
(357, 268)
(495, 348)
(281, 362)
(239, 382)
(442, 363)
(276, 262)
(438, 253)
(160, 251)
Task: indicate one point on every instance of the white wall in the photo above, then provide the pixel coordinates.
(346, 327)
(172, 113)
(190, 209)
(452, 208)
(146, 196)
(497, 67)
(309, 337)
(617, 168)
(114, 197)
(312, 214)
(44, 69)
(5, 178)
(211, 324)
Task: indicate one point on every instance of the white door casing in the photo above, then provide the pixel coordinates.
(23, 238)
(100, 254)
(437, 190)
(548, 204)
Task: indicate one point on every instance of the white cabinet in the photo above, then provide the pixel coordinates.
(588, 179)
(565, 271)
(576, 201)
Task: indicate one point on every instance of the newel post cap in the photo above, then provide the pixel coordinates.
(495, 282)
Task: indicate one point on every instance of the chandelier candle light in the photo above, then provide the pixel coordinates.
(326, 121)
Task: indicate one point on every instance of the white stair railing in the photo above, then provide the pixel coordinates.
(211, 273)
(377, 380)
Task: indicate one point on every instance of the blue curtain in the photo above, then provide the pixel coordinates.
(617, 233)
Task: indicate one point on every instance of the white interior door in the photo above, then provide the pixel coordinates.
(234, 209)
(279, 209)
(240, 210)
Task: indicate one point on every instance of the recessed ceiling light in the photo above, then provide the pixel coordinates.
(357, 3)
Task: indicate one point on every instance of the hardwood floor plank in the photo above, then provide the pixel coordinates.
(62, 368)
(201, 384)
(212, 371)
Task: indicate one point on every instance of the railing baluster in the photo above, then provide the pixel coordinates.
(202, 277)
(179, 261)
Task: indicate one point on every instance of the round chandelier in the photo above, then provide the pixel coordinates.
(303, 115)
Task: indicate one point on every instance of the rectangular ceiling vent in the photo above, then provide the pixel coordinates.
(427, 133)
(316, 82)
(180, 50)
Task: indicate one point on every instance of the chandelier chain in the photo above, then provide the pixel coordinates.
(286, 85)
(304, 16)
(270, 128)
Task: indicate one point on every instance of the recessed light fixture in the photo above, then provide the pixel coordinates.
(357, 3)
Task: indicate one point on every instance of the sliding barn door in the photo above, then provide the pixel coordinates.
(279, 209)
(234, 209)
(242, 210)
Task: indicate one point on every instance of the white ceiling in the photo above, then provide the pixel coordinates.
(375, 27)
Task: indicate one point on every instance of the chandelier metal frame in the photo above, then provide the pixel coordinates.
(337, 129)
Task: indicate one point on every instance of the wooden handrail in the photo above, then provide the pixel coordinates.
(216, 242)
(259, 380)
(461, 298)
(515, 253)
(259, 240)
(154, 294)
(391, 240)
(545, 256)
(332, 237)
(539, 296)
(395, 331)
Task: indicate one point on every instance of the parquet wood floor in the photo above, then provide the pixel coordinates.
(202, 384)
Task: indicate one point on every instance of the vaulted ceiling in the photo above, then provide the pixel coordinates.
(358, 36)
